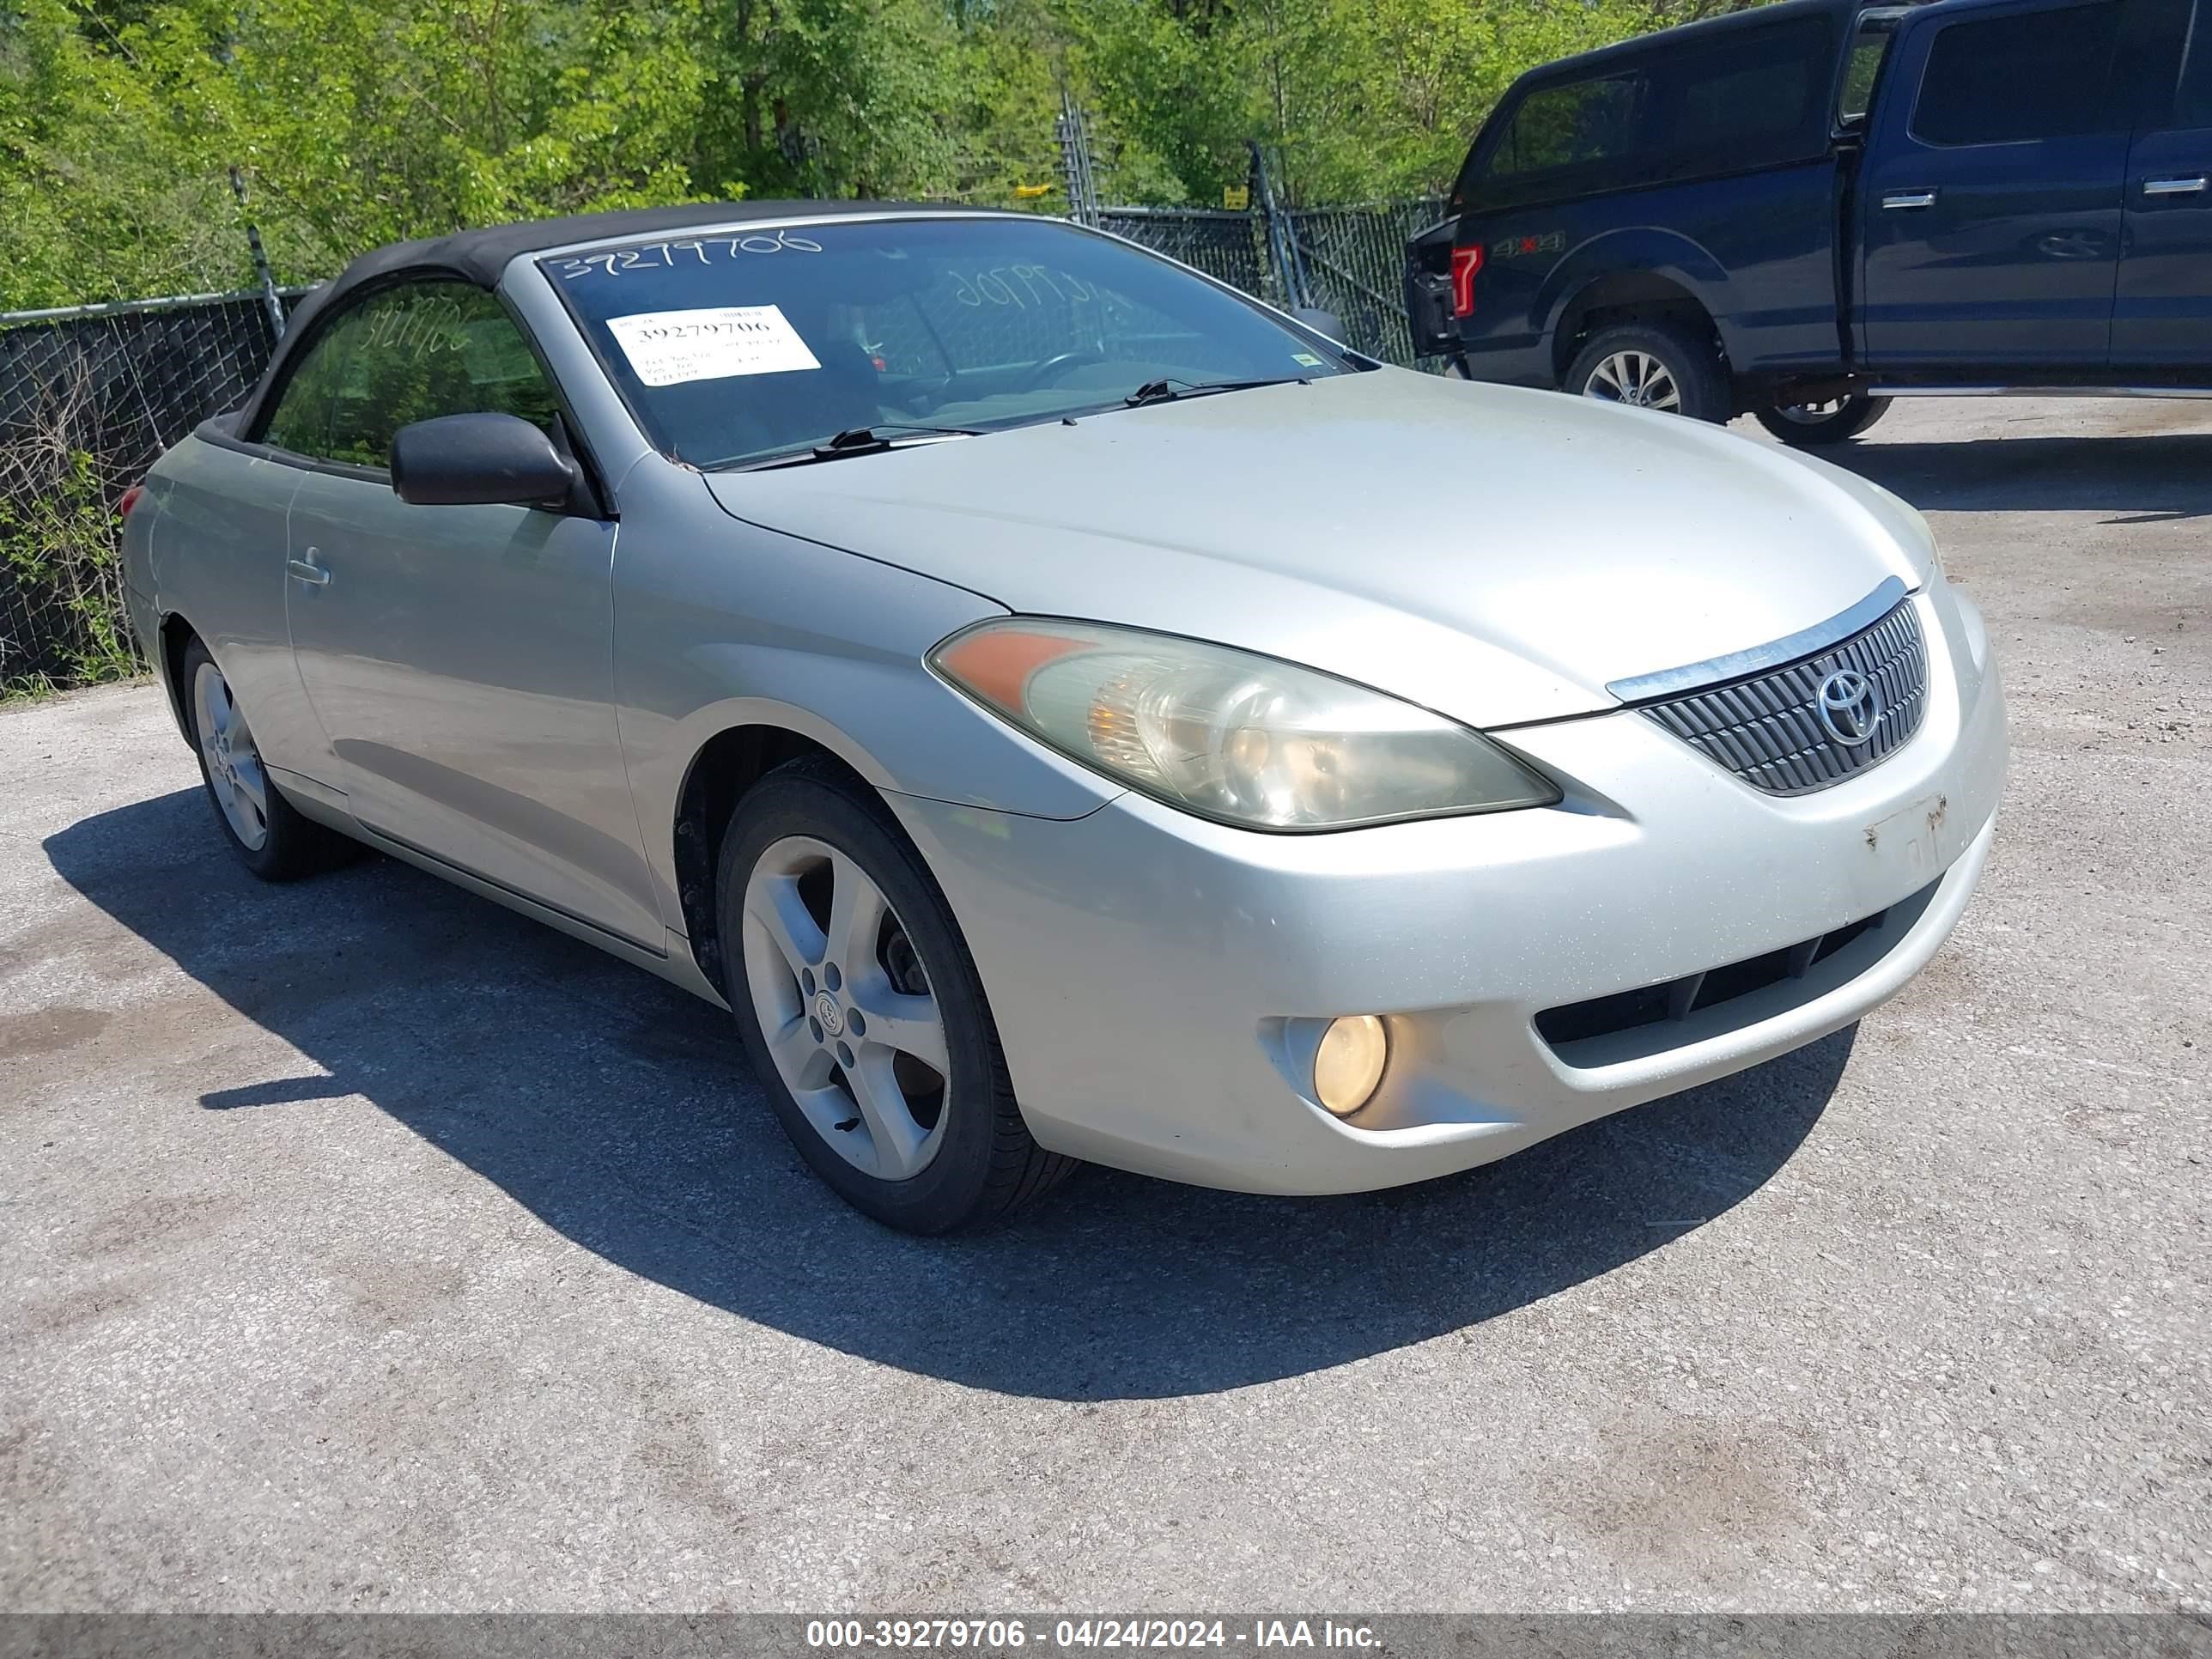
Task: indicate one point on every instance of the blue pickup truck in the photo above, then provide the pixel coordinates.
(1803, 211)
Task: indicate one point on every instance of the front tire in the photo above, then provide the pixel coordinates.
(271, 836)
(861, 1011)
(1833, 421)
(1660, 366)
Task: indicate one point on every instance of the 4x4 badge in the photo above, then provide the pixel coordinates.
(1520, 247)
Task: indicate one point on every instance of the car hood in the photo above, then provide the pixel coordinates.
(1497, 556)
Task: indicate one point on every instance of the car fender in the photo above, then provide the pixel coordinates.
(722, 624)
(1636, 251)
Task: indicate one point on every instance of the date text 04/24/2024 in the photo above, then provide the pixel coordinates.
(998, 1635)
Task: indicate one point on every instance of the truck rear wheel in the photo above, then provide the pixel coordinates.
(1828, 422)
(1652, 365)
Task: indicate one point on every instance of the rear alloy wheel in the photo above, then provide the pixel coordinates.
(1830, 422)
(862, 1012)
(1656, 365)
(1635, 377)
(270, 836)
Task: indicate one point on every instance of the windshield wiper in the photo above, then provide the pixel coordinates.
(1169, 389)
(859, 440)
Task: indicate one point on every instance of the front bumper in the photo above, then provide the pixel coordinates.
(1142, 964)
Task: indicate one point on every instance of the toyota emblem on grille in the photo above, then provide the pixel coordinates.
(1849, 704)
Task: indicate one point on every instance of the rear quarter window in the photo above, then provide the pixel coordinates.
(1742, 99)
(1590, 125)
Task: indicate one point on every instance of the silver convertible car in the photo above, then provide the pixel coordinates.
(1039, 690)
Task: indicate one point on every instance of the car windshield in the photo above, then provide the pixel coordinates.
(748, 345)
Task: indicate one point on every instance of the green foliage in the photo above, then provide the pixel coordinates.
(359, 122)
(1354, 99)
(139, 137)
(350, 123)
(104, 192)
(58, 546)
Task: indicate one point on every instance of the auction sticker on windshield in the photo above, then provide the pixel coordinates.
(667, 348)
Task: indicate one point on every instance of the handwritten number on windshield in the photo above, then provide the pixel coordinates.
(996, 286)
(705, 251)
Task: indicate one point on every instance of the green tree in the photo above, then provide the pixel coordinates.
(1355, 100)
(360, 122)
(352, 123)
(104, 194)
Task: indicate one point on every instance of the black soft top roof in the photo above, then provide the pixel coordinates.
(479, 257)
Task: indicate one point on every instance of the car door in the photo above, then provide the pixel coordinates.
(457, 657)
(218, 560)
(2162, 307)
(1990, 201)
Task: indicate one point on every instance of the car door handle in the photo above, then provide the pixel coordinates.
(2175, 186)
(306, 570)
(1909, 198)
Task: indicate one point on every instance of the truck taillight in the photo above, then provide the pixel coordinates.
(1466, 261)
(129, 500)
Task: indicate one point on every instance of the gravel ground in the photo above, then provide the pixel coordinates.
(368, 1247)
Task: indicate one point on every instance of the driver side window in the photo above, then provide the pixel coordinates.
(409, 353)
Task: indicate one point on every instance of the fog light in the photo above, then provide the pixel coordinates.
(1349, 1063)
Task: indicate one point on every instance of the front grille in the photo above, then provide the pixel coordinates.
(1678, 998)
(1766, 729)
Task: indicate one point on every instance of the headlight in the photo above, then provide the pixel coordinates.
(1228, 734)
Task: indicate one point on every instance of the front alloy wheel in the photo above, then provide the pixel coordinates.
(863, 1012)
(1832, 421)
(847, 1013)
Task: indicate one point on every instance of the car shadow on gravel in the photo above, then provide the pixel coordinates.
(618, 1110)
(2146, 479)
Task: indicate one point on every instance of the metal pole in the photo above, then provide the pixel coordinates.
(269, 303)
(1083, 161)
(1074, 143)
(1288, 270)
(1090, 173)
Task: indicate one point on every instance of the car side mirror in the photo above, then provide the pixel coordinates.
(1321, 322)
(479, 461)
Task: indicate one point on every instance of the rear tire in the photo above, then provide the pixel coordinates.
(861, 1010)
(1831, 422)
(272, 837)
(1656, 365)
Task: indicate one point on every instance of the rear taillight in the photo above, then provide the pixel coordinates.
(129, 500)
(1466, 261)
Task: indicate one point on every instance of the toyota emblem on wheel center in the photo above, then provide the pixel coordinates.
(1850, 705)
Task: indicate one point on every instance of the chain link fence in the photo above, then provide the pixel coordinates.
(1231, 247)
(1348, 260)
(1353, 261)
(90, 397)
